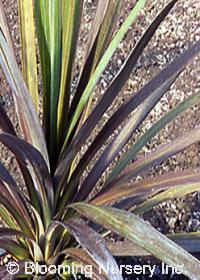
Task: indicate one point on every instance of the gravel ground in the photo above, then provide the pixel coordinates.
(177, 33)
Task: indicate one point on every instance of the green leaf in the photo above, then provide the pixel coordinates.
(143, 234)
(103, 63)
(55, 42)
(91, 46)
(102, 41)
(42, 28)
(71, 19)
(14, 249)
(29, 65)
(98, 39)
(48, 20)
(107, 28)
(6, 217)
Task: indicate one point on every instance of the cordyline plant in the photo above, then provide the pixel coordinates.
(53, 221)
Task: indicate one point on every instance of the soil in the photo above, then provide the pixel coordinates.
(177, 33)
